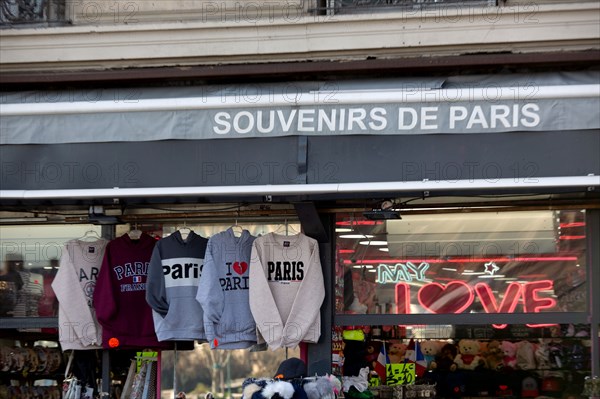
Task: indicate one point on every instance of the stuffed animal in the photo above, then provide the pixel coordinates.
(509, 352)
(493, 355)
(468, 357)
(542, 354)
(431, 349)
(372, 353)
(445, 359)
(397, 352)
(525, 356)
(278, 389)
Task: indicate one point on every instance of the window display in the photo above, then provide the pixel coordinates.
(508, 262)
(526, 267)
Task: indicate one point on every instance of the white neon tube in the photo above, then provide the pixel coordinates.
(304, 189)
(519, 93)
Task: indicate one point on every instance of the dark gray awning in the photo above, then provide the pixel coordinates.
(470, 104)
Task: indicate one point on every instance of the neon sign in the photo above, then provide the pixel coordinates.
(457, 296)
(401, 272)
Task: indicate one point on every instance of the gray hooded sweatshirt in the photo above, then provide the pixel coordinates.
(173, 277)
(223, 291)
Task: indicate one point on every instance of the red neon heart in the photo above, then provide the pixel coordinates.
(240, 267)
(455, 297)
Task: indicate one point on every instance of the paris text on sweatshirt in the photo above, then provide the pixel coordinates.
(286, 289)
(223, 291)
(173, 276)
(74, 286)
(120, 295)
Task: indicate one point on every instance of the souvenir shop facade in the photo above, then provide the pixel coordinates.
(451, 214)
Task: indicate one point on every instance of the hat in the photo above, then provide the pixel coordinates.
(291, 368)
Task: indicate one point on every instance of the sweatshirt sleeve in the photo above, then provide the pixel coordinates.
(307, 305)
(210, 295)
(156, 292)
(73, 301)
(104, 294)
(262, 304)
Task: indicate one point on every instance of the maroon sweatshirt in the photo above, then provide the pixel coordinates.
(120, 295)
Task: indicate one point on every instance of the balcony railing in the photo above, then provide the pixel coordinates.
(14, 13)
(362, 6)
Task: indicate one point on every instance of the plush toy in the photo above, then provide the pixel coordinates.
(509, 351)
(431, 349)
(445, 359)
(372, 352)
(542, 354)
(397, 352)
(468, 357)
(493, 355)
(556, 355)
(278, 389)
(525, 356)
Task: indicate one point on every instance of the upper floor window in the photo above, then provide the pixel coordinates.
(361, 6)
(24, 12)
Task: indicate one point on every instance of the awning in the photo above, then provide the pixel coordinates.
(464, 104)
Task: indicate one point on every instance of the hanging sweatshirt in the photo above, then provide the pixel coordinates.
(173, 276)
(120, 295)
(286, 289)
(74, 286)
(223, 291)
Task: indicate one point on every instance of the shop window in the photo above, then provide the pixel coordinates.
(456, 263)
(468, 361)
(477, 304)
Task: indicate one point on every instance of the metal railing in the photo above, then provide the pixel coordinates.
(361, 6)
(15, 13)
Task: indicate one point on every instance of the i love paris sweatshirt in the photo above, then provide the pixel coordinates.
(223, 291)
(173, 277)
(286, 289)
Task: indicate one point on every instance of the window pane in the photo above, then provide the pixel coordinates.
(478, 360)
(445, 263)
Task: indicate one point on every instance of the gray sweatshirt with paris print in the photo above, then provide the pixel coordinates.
(174, 273)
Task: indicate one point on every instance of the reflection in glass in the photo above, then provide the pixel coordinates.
(445, 263)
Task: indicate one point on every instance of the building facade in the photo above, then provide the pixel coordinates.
(461, 137)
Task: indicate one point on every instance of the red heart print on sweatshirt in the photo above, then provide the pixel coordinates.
(455, 297)
(240, 267)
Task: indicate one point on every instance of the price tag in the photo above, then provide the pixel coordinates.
(400, 373)
(374, 382)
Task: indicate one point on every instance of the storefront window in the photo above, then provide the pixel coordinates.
(500, 299)
(472, 361)
(455, 263)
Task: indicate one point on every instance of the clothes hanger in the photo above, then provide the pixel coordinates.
(184, 231)
(90, 236)
(286, 229)
(237, 229)
(135, 234)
